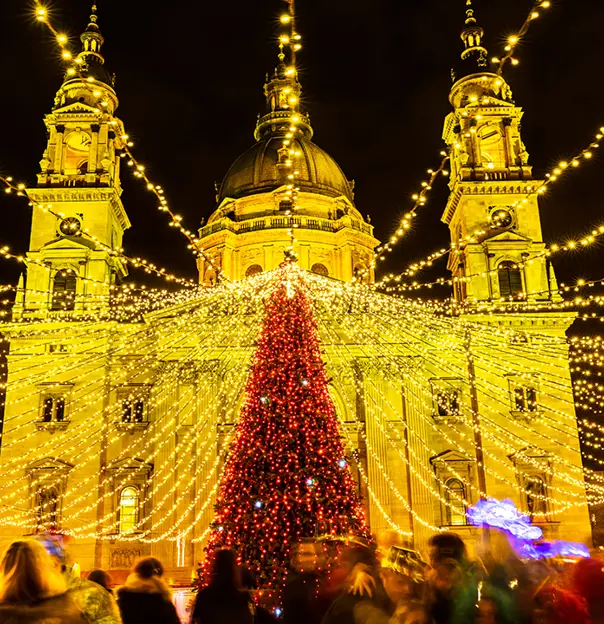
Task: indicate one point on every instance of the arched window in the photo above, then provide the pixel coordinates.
(83, 167)
(454, 495)
(492, 150)
(536, 493)
(510, 280)
(255, 269)
(128, 509)
(64, 290)
(320, 269)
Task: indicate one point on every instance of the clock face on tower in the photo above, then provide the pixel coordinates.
(71, 226)
(501, 218)
(78, 141)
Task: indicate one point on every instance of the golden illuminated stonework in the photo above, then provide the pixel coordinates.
(122, 401)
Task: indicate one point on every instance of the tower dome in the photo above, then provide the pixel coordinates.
(258, 171)
(285, 196)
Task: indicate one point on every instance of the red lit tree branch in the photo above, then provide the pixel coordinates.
(286, 475)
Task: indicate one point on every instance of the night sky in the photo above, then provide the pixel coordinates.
(376, 76)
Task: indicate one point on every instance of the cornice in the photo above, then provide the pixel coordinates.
(54, 194)
(486, 187)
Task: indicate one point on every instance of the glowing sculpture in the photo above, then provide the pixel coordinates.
(503, 515)
(522, 533)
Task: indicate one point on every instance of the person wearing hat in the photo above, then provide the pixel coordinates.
(452, 581)
(398, 586)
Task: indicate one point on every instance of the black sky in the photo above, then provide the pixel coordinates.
(376, 75)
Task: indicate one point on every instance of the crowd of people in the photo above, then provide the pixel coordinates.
(330, 582)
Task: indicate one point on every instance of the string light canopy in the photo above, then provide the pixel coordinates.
(151, 397)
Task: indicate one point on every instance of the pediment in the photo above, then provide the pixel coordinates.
(129, 465)
(50, 463)
(75, 107)
(509, 236)
(523, 455)
(449, 457)
(67, 242)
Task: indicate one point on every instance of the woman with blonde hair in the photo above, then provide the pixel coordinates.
(32, 588)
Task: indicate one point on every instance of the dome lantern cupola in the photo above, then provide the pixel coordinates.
(474, 53)
(92, 39)
(285, 196)
(89, 64)
(283, 130)
(283, 90)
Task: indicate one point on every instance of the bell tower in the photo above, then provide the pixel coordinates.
(493, 210)
(80, 179)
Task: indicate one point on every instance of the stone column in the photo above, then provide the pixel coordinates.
(507, 141)
(59, 136)
(94, 148)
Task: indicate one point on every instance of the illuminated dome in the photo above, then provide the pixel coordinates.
(257, 171)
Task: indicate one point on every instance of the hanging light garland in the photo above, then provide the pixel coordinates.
(514, 40)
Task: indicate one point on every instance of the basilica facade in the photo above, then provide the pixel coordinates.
(116, 431)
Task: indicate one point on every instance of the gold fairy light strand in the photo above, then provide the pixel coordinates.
(514, 40)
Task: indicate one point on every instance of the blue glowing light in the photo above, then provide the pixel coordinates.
(304, 382)
(503, 515)
(310, 481)
(258, 504)
(342, 463)
(523, 535)
(545, 550)
(278, 611)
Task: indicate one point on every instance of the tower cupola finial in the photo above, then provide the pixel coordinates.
(472, 36)
(283, 89)
(92, 39)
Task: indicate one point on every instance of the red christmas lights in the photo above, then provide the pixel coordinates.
(287, 476)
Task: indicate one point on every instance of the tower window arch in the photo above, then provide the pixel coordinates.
(252, 270)
(455, 495)
(128, 511)
(510, 280)
(320, 269)
(492, 150)
(64, 290)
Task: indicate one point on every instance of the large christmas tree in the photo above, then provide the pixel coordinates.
(286, 476)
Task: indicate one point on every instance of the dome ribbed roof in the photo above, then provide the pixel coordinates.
(256, 171)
